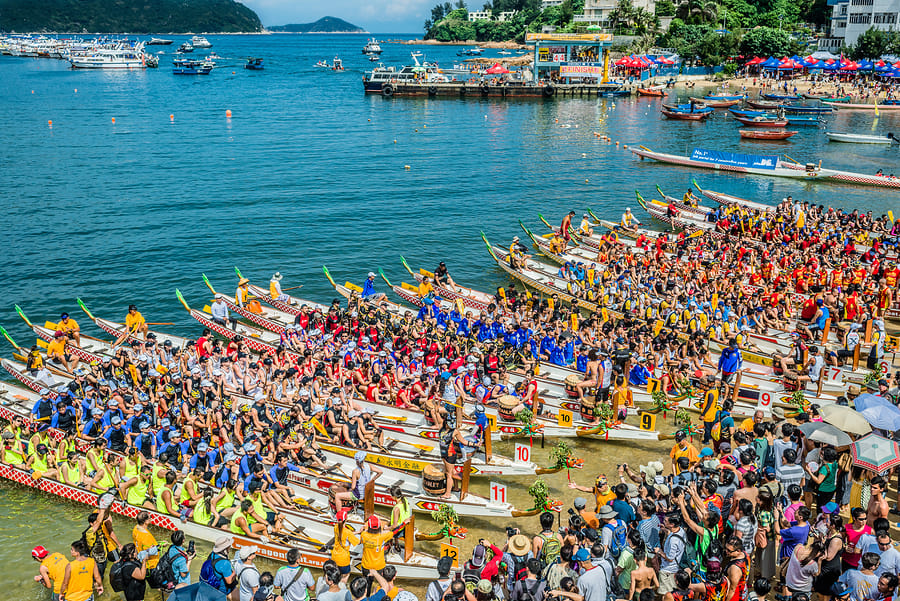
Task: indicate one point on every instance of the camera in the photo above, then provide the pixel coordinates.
(510, 532)
(190, 548)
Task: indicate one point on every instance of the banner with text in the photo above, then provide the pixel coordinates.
(581, 69)
(734, 159)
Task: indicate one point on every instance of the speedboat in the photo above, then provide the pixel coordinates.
(323, 65)
(184, 48)
(861, 138)
(373, 58)
(337, 65)
(188, 66)
(158, 42)
(198, 41)
(372, 47)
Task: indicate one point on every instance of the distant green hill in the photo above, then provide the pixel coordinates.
(127, 16)
(323, 25)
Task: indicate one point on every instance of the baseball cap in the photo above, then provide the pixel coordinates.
(39, 552)
(582, 555)
(374, 522)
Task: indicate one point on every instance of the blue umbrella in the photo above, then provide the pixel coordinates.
(865, 401)
(883, 418)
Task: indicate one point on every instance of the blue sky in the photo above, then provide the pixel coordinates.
(378, 16)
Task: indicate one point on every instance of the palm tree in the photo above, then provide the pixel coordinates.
(622, 15)
(697, 11)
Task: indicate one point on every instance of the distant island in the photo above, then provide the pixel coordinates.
(323, 25)
(125, 16)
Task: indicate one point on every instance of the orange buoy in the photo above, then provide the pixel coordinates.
(625, 146)
(228, 113)
(50, 123)
(171, 117)
(617, 142)
(76, 90)
(232, 72)
(114, 120)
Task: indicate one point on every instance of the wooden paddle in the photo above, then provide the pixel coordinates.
(292, 288)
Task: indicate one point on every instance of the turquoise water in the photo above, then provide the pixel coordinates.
(310, 171)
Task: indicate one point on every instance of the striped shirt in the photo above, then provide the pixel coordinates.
(790, 474)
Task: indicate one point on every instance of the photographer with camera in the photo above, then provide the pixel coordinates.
(531, 587)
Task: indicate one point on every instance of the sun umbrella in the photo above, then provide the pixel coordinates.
(825, 433)
(846, 419)
(497, 69)
(883, 418)
(866, 400)
(876, 453)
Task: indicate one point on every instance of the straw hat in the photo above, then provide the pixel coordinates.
(243, 281)
(519, 545)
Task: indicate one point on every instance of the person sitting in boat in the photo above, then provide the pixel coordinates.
(442, 276)
(362, 474)
(517, 256)
(585, 227)
(56, 352)
(368, 292)
(557, 244)
(70, 327)
(426, 288)
(689, 199)
(275, 287)
(629, 221)
(672, 210)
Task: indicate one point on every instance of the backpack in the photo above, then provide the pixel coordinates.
(550, 549)
(526, 594)
(688, 559)
(118, 579)
(614, 590)
(95, 542)
(520, 569)
(619, 538)
(211, 576)
(163, 575)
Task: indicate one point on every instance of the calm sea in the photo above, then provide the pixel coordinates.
(307, 172)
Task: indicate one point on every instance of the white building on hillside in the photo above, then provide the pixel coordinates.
(597, 12)
(545, 4)
(851, 18)
(486, 15)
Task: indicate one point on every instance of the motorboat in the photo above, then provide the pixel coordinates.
(254, 64)
(374, 80)
(862, 138)
(185, 48)
(372, 47)
(471, 52)
(159, 42)
(119, 57)
(337, 65)
(762, 121)
(188, 66)
(323, 65)
(198, 41)
(373, 58)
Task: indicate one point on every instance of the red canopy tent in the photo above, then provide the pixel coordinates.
(665, 61)
(755, 61)
(623, 62)
(497, 69)
(789, 64)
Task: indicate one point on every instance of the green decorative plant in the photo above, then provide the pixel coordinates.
(682, 417)
(539, 492)
(798, 399)
(876, 374)
(445, 516)
(605, 413)
(525, 416)
(660, 400)
(560, 453)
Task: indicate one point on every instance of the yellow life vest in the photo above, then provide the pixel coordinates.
(137, 494)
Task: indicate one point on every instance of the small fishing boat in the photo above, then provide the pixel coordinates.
(813, 110)
(323, 65)
(793, 120)
(748, 112)
(650, 92)
(185, 48)
(254, 64)
(780, 96)
(763, 105)
(861, 138)
(373, 58)
(689, 108)
(337, 65)
(716, 103)
(685, 116)
(158, 42)
(762, 121)
(719, 97)
(770, 134)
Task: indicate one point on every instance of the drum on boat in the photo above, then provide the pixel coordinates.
(434, 480)
(588, 403)
(571, 388)
(505, 407)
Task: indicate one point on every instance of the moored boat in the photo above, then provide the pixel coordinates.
(761, 121)
(772, 134)
(685, 116)
(861, 138)
(650, 92)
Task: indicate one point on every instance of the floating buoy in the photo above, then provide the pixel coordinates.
(625, 146)
(171, 117)
(395, 141)
(424, 126)
(417, 131)
(406, 167)
(228, 113)
(585, 180)
(557, 120)
(583, 154)
(370, 120)
(232, 72)
(32, 91)
(76, 90)
(50, 123)
(114, 120)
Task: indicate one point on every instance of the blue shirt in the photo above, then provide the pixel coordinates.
(179, 565)
(730, 360)
(368, 288)
(625, 510)
(638, 376)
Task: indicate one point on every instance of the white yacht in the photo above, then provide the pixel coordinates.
(372, 47)
(198, 41)
(119, 57)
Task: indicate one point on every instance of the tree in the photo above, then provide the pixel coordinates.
(437, 13)
(665, 8)
(697, 11)
(428, 25)
(766, 41)
(461, 4)
(871, 44)
(622, 16)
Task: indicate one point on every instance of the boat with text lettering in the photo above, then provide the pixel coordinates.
(769, 165)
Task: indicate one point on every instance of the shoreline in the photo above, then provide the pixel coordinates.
(499, 45)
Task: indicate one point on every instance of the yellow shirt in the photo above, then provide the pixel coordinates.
(144, 540)
(343, 542)
(604, 498)
(57, 347)
(67, 326)
(81, 580)
(56, 569)
(134, 321)
(690, 452)
(425, 288)
(373, 549)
